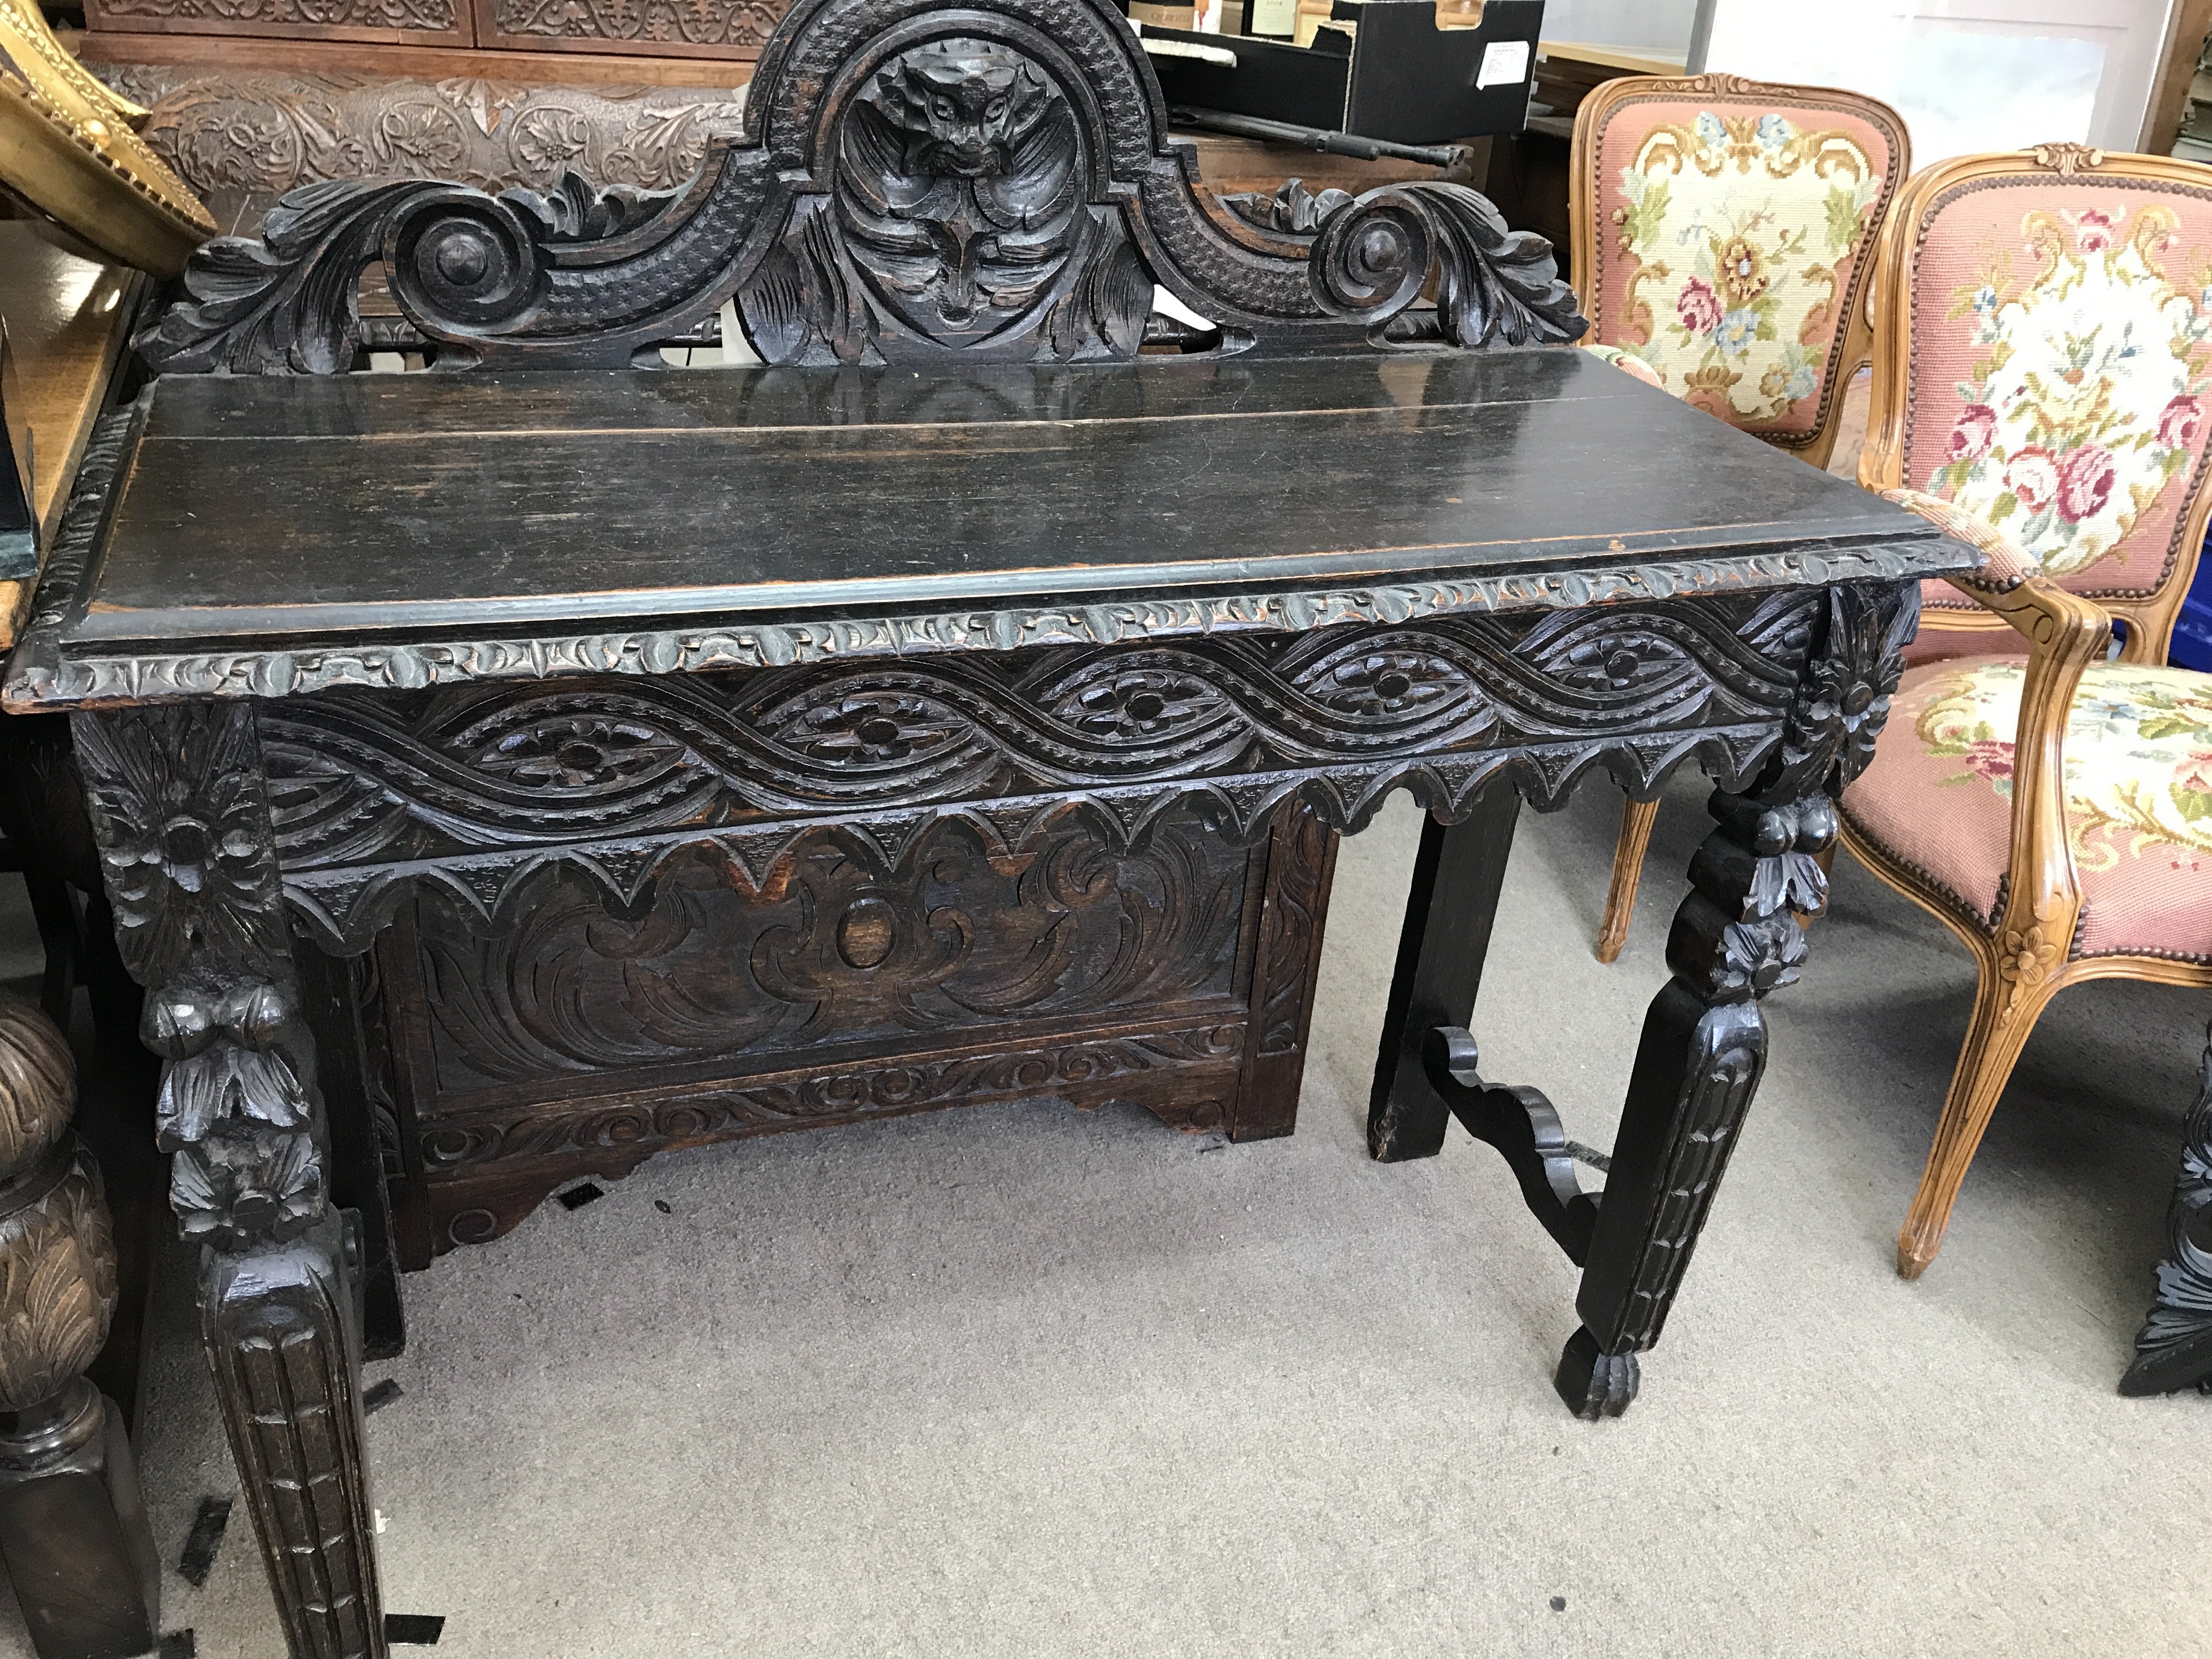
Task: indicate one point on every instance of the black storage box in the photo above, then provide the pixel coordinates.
(1397, 77)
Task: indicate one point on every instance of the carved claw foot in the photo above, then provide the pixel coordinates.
(1593, 1382)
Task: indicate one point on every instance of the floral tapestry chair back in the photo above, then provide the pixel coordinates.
(1722, 233)
(2052, 380)
(2041, 389)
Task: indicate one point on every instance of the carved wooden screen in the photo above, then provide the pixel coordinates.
(658, 28)
(725, 29)
(914, 185)
(393, 22)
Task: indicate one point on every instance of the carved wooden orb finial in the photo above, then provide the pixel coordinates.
(38, 1086)
(57, 1252)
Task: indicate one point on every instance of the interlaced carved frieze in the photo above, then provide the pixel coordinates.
(489, 781)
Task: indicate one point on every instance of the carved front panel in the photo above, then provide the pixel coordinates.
(828, 959)
(673, 28)
(430, 22)
(586, 1034)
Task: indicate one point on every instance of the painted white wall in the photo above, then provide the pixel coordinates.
(1651, 25)
(1966, 75)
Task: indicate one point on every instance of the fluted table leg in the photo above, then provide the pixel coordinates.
(1697, 1066)
(179, 804)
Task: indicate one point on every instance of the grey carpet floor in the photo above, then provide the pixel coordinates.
(1030, 1382)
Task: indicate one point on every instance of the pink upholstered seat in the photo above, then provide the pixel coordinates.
(2042, 391)
(1938, 798)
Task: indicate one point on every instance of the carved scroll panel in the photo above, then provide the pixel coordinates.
(831, 956)
(913, 186)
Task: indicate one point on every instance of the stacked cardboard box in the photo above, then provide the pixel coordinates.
(2195, 143)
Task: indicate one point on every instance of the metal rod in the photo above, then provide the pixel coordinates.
(1333, 144)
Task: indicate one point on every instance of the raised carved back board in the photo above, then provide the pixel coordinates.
(916, 184)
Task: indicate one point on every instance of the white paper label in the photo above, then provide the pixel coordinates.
(1503, 61)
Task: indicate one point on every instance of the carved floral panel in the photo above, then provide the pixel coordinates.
(273, 130)
(279, 16)
(831, 958)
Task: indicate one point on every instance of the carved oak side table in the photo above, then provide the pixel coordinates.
(960, 706)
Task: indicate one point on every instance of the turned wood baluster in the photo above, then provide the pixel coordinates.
(72, 1525)
(180, 807)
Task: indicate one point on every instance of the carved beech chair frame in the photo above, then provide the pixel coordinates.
(1613, 306)
(2032, 948)
(943, 190)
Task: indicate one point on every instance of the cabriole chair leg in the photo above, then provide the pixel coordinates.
(1636, 818)
(2005, 1011)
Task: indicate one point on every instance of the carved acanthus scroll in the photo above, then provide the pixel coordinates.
(994, 180)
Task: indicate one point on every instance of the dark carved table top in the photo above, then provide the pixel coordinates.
(269, 535)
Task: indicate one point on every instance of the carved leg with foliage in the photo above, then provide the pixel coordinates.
(1735, 938)
(180, 806)
(2174, 1348)
(1457, 876)
(72, 1525)
(1697, 1067)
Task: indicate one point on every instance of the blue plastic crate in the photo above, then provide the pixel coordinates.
(2192, 628)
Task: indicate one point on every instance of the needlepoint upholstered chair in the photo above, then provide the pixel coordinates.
(1722, 230)
(2041, 388)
